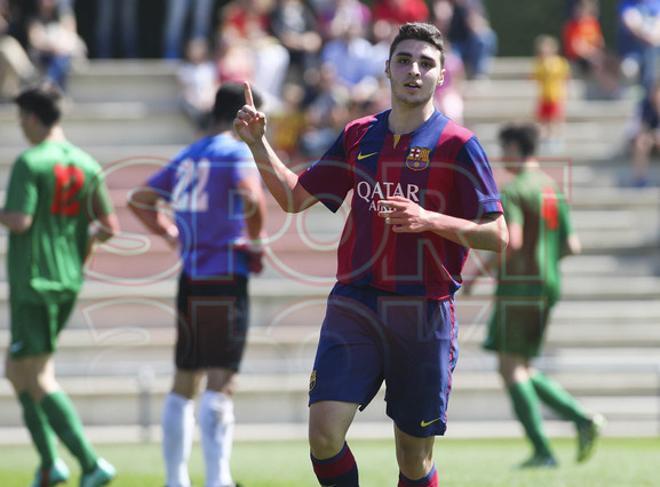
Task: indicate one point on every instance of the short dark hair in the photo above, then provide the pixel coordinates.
(43, 101)
(524, 135)
(229, 99)
(420, 31)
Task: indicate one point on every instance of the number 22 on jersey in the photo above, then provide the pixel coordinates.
(190, 192)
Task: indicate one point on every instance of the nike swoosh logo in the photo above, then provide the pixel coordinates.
(424, 424)
(364, 156)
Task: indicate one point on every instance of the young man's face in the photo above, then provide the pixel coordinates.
(414, 71)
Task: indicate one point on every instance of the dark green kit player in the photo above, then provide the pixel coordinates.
(57, 207)
(528, 287)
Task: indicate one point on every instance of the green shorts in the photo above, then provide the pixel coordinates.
(518, 324)
(36, 326)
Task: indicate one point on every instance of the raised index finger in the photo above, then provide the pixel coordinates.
(248, 94)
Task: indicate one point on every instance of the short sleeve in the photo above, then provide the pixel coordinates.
(22, 194)
(565, 226)
(330, 178)
(101, 202)
(474, 185)
(163, 181)
(513, 212)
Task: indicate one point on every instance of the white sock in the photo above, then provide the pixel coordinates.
(216, 423)
(178, 423)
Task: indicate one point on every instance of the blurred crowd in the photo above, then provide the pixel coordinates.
(319, 63)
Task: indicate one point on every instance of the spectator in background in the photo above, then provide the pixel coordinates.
(471, 36)
(350, 54)
(551, 71)
(175, 20)
(336, 14)
(326, 113)
(647, 137)
(639, 39)
(53, 41)
(117, 17)
(288, 122)
(584, 46)
(198, 78)
(582, 37)
(246, 45)
(448, 96)
(400, 11)
(294, 24)
(15, 66)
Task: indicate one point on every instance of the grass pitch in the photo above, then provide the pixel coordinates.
(464, 463)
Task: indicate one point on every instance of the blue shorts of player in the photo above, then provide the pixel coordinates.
(369, 335)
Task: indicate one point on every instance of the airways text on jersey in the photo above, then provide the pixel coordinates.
(385, 190)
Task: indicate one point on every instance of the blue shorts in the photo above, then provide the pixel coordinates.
(369, 335)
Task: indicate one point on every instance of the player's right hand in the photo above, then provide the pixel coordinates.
(249, 124)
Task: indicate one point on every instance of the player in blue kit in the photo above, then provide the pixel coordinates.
(214, 189)
(423, 194)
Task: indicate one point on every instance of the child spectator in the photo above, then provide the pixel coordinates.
(551, 71)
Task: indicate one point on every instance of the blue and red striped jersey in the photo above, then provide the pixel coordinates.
(440, 165)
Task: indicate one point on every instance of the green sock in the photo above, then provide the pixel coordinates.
(42, 434)
(64, 419)
(558, 398)
(527, 409)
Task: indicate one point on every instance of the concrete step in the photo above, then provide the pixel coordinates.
(496, 110)
(118, 401)
(514, 90)
(124, 124)
(151, 81)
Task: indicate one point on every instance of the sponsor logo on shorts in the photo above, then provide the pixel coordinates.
(312, 380)
(424, 424)
(16, 347)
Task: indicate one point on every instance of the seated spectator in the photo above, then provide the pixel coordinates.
(584, 46)
(288, 122)
(471, 37)
(53, 42)
(582, 37)
(198, 77)
(15, 66)
(351, 55)
(400, 11)
(244, 29)
(334, 16)
(294, 24)
(326, 113)
(647, 139)
(639, 40)
(448, 96)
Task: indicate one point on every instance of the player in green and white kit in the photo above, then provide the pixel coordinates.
(540, 234)
(57, 206)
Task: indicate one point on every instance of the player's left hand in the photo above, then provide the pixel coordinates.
(404, 215)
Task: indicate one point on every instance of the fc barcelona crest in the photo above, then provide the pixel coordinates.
(418, 158)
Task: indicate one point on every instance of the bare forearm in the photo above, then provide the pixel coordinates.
(153, 220)
(489, 235)
(279, 179)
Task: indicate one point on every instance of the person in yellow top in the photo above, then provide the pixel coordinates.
(552, 72)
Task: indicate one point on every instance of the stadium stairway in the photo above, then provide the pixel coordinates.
(115, 357)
